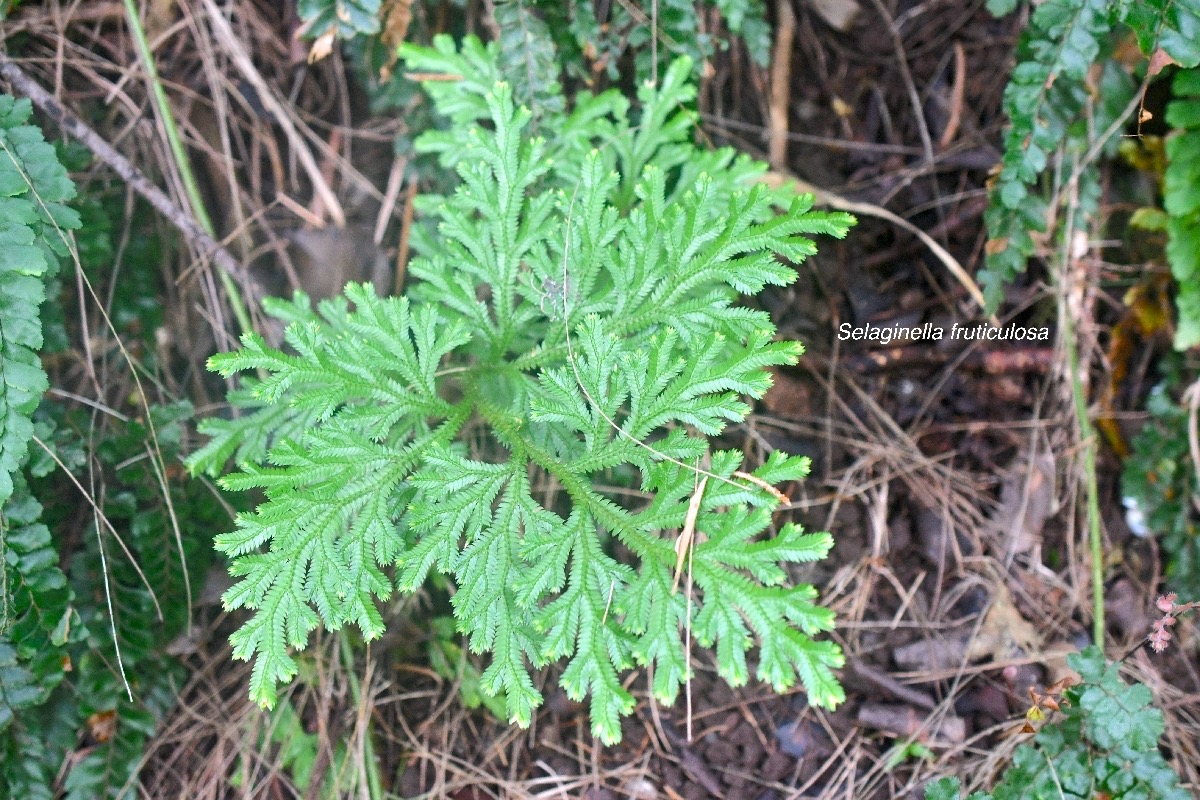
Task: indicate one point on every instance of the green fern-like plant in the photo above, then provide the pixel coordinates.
(1181, 201)
(542, 38)
(1159, 483)
(55, 667)
(34, 188)
(1105, 745)
(1055, 110)
(573, 321)
(64, 627)
(342, 18)
(34, 599)
(527, 48)
(38, 611)
(59, 667)
(605, 43)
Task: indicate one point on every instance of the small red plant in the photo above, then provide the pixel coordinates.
(1160, 636)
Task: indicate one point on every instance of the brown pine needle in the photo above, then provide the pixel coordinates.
(766, 487)
(433, 76)
(687, 536)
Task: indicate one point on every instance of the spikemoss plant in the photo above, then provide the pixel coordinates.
(571, 320)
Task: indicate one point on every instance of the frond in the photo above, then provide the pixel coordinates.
(33, 227)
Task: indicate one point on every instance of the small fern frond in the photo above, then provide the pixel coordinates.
(246, 438)
(527, 51)
(1054, 98)
(37, 604)
(36, 615)
(332, 491)
(1181, 201)
(33, 220)
(1105, 743)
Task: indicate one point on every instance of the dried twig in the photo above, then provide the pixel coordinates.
(683, 545)
(825, 197)
(406, 221)
(956, 97)
(266, 96)
(781, 82)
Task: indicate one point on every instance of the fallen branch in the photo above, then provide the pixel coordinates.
(781, 83)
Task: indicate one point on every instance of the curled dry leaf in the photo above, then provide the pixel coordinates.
(322, 46)
(1026, 501)
(837, 14)
(1004, 633)
(395, 17)
(102, 725)
(1159, 60)
(686, 536)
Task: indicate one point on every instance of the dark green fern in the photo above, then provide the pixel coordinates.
(77, 631)
(33, 189)
(1159, 483)
(1105, 745)
(1056, 110)
(1181, 201)
(38, 612)
(60, 673)
(34, 600)
(541, 39)
(344, 19)
(37, 617)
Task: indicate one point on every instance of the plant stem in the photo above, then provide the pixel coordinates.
(374, 784)
(1087, 435)
(191, 188)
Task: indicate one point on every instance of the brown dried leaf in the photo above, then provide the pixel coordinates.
(684, 543)
(1159, 60)
(790, 397)
(1026, 501)
(395, 17)
(322, 46)
(995, 246)
(102, 725)
(837, 14)
(1004, 633)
